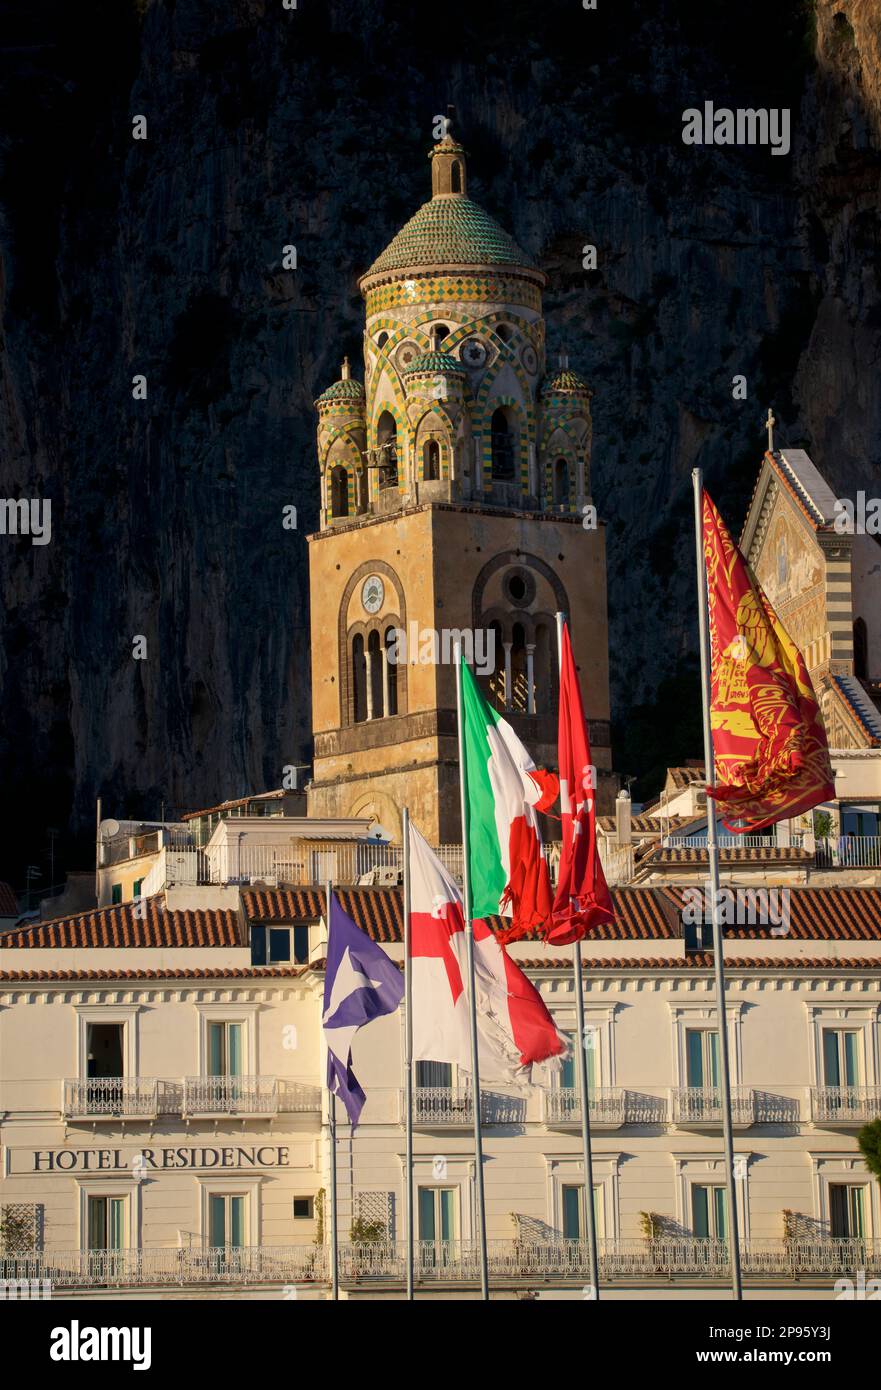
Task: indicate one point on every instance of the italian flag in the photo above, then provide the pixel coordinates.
(504, 791)
(515, 1030)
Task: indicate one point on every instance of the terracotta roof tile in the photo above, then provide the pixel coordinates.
(683, 777)
(695, 961)
(643, 913)
(118, 926)
(281, 972)
(377, 911)
(771, 854)
(815, 914)
(703, 960)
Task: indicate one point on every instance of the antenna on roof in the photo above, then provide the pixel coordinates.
(769, 425)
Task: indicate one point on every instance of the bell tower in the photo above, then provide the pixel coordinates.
(455, 499)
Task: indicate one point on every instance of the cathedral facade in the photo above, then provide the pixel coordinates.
(455, 499)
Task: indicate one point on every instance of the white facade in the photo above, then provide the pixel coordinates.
(178, 1164)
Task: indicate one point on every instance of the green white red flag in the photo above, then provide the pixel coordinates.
(504, 792)
(515, 1030)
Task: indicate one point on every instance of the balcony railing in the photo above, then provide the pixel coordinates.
(443, 1105)
(230, 1095)
(110, 1097)
(298, 862)
(702, 1105)
(608, 1106)
(728, 841)
(849, 852)
(124, 1097)
(846, 1106)
(669, 1258)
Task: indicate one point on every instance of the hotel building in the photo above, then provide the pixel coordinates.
(164, 1125)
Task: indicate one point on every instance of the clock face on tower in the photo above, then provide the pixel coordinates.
(372, 593)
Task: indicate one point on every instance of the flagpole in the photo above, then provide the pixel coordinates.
(472, 992)
(713, 856)
(408, 1049)
(334, 1211)
(583, 1082)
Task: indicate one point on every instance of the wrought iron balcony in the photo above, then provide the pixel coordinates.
(230, 1095)
(110, 1098)
(551, 1261)
(700, 1107)
(130, 1097)
(443, 1107)
(845, 1107)
(608, 1107)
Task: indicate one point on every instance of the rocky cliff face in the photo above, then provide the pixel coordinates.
(269, 127)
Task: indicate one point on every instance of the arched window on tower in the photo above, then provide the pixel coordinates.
(503, 441)
(561, 483)
(430, 461)
(391, 676)
(860, 650)
(439, 331)
(375, 702)
(339, 491)
(359, 680)
(382, 340)
(505, 332)
(456, 177)
(387, 443)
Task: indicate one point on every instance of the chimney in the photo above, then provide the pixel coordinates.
(622, 818)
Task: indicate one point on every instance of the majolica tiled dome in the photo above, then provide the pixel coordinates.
(450, 230)
(346, 389)
(566, 380)
(434, 362)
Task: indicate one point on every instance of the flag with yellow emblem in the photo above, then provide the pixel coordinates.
(769, 742)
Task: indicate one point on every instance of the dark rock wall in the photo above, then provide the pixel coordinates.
(311, 127)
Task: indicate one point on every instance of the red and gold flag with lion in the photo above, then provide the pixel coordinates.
(769, 743)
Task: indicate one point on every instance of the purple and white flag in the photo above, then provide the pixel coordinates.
(361, 983)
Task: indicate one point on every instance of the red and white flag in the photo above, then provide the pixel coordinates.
(514, 1027)
(582, 900)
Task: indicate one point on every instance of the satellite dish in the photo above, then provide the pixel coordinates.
(108, 828)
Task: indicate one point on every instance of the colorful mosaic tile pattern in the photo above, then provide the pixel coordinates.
(450, 231)
(461, 289)
(349, 390)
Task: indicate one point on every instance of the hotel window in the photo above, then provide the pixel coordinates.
(224, 1049)
(438, 1074)
(304, 1208)
(226, 1221)
(709, 1211)
(116, 893)
(569, 1072)
(701, 1058)
(271, 945)
(847, 1210)
(138, 885)
(437, 1213)
(841, 1057)
(106, 1223)
(104, 1050)
(574, 1214)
